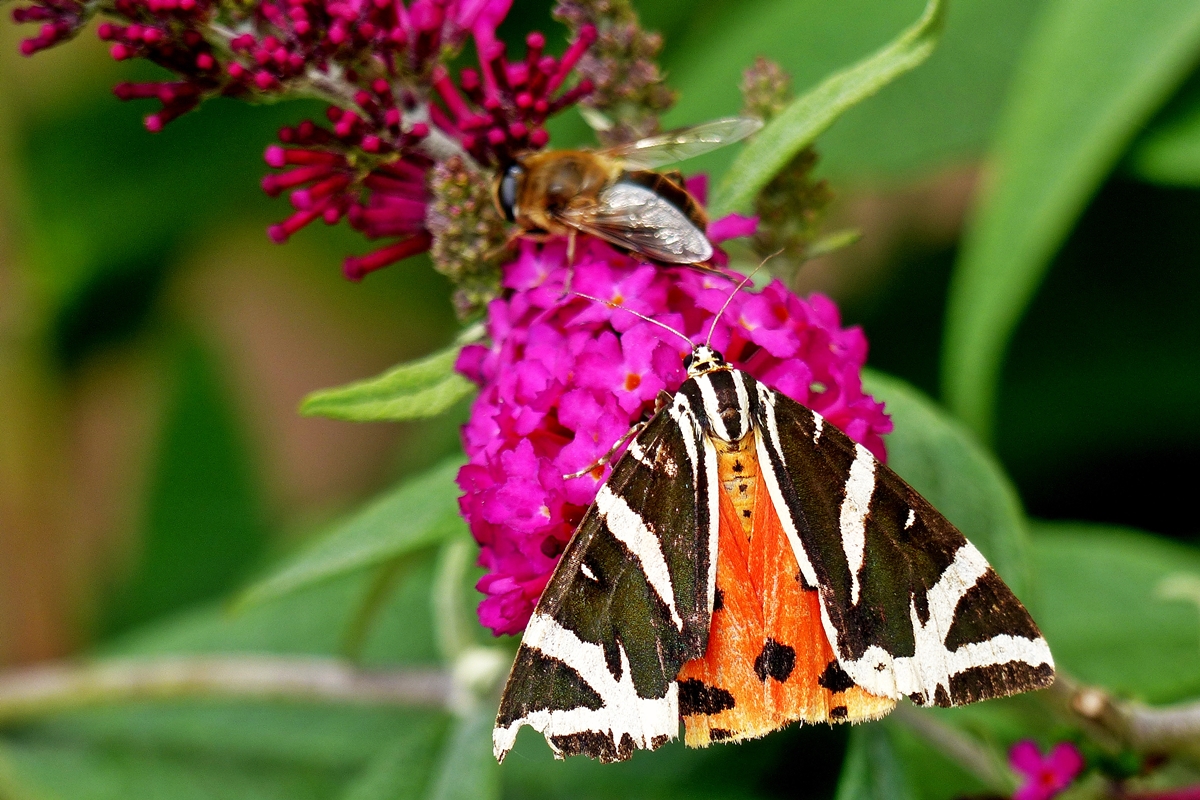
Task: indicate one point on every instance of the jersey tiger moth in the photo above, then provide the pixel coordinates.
(745, 566)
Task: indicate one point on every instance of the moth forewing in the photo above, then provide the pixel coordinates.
(912, 608)
(627, 605)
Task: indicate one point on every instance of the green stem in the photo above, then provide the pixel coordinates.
(36, 691)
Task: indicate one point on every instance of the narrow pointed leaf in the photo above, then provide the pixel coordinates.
(1167, 152)
(467, 770)
(419, 513)
(416, 390)
(798, 125)
(1095, 71)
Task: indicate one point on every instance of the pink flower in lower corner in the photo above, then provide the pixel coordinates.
(564, 378)
(1045, 776)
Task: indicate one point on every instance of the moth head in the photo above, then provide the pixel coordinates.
(703, 359)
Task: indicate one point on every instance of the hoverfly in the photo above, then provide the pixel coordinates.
(615, 195)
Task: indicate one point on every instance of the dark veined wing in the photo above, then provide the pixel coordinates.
(629, 603)
(672, 146)
(636, 217)
(911, 607)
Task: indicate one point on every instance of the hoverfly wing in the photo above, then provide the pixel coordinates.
(667, 148)
(636, 217)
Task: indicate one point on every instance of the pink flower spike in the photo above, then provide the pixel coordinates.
(565, 378)
(731, 226)
(1045, 776)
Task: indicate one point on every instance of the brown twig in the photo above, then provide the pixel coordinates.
(1129, 724)
(38, 690)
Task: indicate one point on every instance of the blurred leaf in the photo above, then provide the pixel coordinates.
(1103, 617)
(1168, 151)
(927, 120)
(1094, 72)
(1099, 411)
(416, 390)
(122, 195)
(942, 461)
(930, 774)
(872, 770)
(55, 771)
(798, 125)
(204, 519)
(399, 772)
(311, 620)
(466, 769)
(315, 748)
(419, 513)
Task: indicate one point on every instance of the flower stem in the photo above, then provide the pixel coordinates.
(39, 690)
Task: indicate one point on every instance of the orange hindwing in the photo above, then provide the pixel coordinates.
(768, 662)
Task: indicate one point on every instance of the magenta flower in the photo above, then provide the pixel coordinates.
(506, 104)
(1045, 776)
(564, 378)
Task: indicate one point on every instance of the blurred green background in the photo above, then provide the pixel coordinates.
(154, 346)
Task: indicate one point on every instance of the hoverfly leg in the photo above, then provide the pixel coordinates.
(604, 459)
(570, 261)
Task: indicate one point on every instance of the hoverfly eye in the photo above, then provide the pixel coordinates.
(506, 192)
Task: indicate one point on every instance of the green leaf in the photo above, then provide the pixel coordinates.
(942, 461)
(420, 513)
(467, 770)
(798, 125)
(872, 770)
(55, 771)
(1105, 616)
(1168, 151)
(419, 389)
(399, 772)
(1094, 73)
(936, 117)
(204, 521)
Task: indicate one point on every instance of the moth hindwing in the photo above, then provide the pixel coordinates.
(747, 565)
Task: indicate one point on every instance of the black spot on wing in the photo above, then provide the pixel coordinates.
(839, 713)
(775, 661)
(988, 609)
(719, 734)
(596, 744)
(697, 697)
(538, 682)
(920, 602)
(718, 600)
(999, 680)
(834, 678)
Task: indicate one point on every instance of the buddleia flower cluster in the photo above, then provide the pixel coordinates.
(395, 111)
(563, 378)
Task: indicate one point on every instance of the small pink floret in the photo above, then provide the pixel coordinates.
(1045, 776)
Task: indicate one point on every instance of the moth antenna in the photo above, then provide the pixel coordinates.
(713, 327)
(610, 304)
